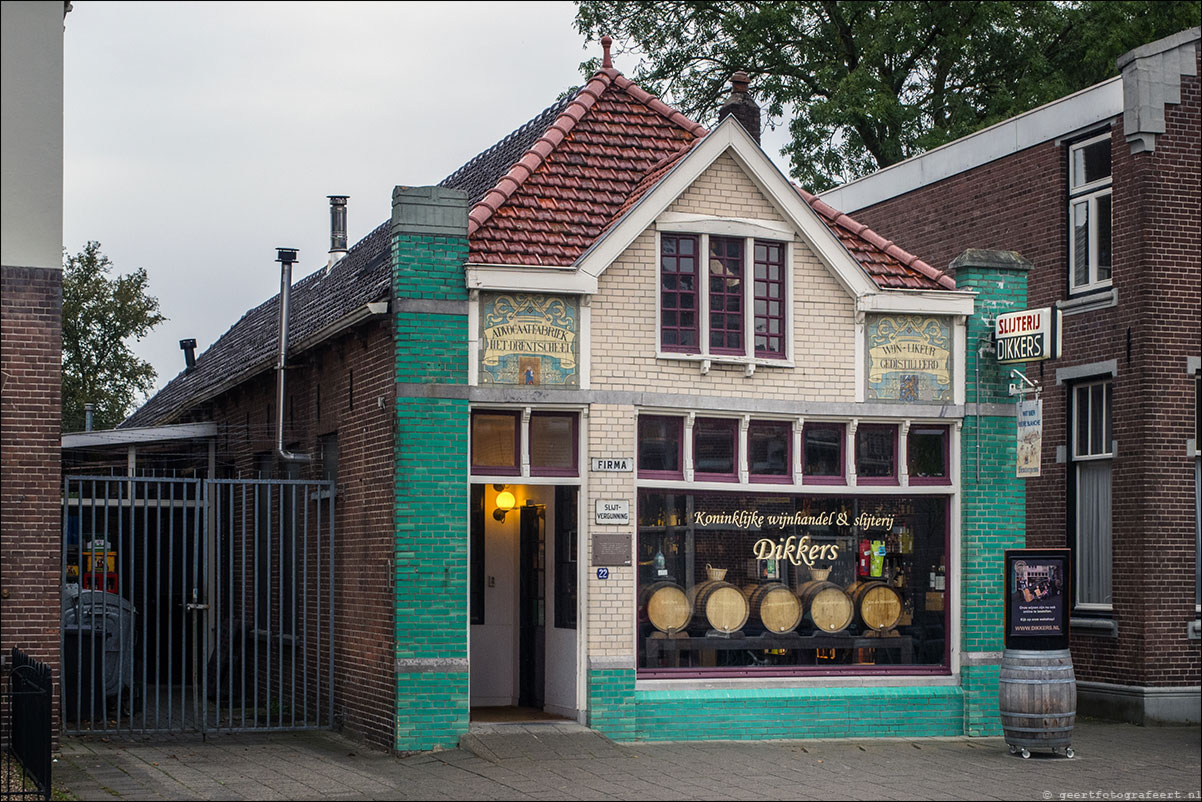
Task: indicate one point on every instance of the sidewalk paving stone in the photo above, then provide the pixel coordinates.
(571, 762)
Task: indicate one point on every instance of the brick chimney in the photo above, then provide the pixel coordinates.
(740, 104)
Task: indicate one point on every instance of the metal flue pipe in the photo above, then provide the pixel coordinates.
(286, 257)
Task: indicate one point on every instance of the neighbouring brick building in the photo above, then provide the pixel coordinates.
(1100, 192)
(31, 329)
(627, 428)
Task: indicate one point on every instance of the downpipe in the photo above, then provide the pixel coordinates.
(286, 257)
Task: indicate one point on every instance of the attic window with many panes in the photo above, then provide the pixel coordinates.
(729, 304)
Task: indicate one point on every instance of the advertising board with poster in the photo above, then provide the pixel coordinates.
(1038, 598)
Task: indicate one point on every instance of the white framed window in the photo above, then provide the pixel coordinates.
(1089, 214)
(724, 297)
(1093, 456)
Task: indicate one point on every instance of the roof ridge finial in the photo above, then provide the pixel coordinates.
(606, 61)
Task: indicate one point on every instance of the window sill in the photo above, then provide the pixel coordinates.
(1104, 627)
(749, 363)
(1087, 300)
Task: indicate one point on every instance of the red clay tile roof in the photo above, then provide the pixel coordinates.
(558, 198)
(890, 266)
(602, 152)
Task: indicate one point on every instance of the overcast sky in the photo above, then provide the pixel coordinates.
(201, 136)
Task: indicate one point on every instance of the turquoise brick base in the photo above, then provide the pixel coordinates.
(756, 714)
(436, 711)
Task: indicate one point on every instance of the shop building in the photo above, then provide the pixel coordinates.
(631, 430)
(1099, 191)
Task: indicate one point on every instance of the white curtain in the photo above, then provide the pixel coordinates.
(1093, 532)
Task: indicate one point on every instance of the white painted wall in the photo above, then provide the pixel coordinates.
(495, 643)
(31, 133)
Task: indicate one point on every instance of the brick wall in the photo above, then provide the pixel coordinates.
(341, 387)
(1020, 203)
(30, 486)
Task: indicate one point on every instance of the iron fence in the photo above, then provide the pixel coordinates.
(25, 754)
(195, 605)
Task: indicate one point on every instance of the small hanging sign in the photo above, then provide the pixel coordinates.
(1030, 438)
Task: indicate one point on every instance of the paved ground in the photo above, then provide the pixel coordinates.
(566, 761)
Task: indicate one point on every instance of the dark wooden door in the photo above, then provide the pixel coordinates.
(532, 617)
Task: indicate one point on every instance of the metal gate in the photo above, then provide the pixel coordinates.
(197, 605)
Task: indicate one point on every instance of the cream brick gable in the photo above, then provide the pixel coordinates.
(625, 336)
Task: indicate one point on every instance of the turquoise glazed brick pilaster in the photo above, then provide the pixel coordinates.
(429, 248)
(993, 500)
(611, 702)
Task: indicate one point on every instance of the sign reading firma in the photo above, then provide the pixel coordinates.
(1028, 336)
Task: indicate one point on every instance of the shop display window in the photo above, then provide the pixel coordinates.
(927, 455)
(743, 584)
(495, 443)
(823, 452)
(553, 444)
(770, 451)
(876, 454)
(660, 452)
(715, 445)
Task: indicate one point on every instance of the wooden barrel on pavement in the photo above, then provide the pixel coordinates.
(1037, 697)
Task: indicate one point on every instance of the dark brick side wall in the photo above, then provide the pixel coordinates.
(30, 440)
(1020, 203)
(358, 362)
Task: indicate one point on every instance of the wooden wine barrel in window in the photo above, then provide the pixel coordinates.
(879, 604)
(775, 606)
(827, 605)
(721, 604)
(668, 606)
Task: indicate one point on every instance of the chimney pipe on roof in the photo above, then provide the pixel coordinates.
(88, 409)
(741, 105)
(286, 257)
(189, 349)
(337, 229)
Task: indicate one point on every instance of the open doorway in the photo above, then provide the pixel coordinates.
(523, 601)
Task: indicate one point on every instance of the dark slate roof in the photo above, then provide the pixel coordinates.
(483, 172)
(317, 300)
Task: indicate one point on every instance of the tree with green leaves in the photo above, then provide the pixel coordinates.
(864, 84)
(100, 316)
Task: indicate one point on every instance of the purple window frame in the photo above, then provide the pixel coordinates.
(810, 479)
(717, 424)
(763, 295)
(677, 294)
(679, 425)
(498, 470)
(575, 469)
(772, 478)
(945, 432)
(733, 264)
(863, 430)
